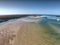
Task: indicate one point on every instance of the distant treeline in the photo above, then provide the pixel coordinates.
(7, 17)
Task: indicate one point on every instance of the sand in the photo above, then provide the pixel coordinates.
(7, 33)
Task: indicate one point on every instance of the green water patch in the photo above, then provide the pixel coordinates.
(49, 30)
(44, 28)
(56, 24)
(49, 33)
